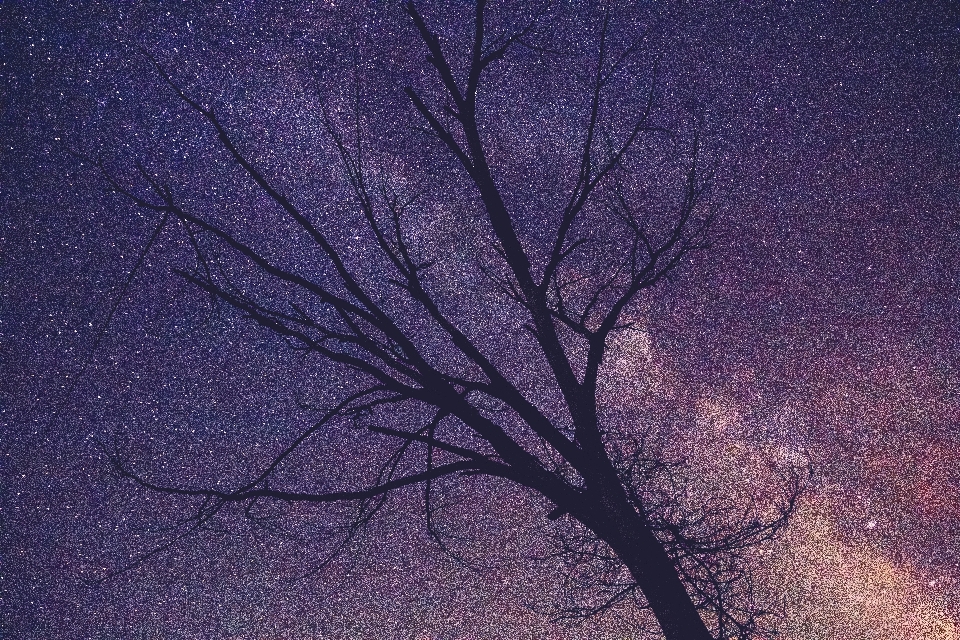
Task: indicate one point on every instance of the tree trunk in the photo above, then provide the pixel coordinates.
(657, 577)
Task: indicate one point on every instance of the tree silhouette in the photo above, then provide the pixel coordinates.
(489, 364)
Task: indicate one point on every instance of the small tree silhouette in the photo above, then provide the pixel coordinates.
(429, 348)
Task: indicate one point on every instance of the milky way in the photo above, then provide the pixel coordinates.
(822, 325)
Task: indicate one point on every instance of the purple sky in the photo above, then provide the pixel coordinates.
(823, 322)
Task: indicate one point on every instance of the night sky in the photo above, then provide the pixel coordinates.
(823, 323)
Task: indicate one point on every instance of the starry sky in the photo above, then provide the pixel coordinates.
(822, 323)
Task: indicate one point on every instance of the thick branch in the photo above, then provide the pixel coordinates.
(295, 496)
(475, 162)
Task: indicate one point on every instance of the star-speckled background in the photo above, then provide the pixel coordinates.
(824, 321)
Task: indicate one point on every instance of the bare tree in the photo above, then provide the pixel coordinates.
(426, 351)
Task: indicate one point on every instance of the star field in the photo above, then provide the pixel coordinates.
(820, 326)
